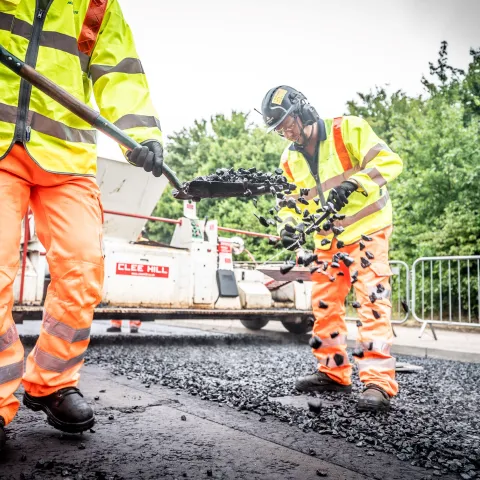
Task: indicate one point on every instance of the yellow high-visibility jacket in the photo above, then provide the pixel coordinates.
(348, 149)
(83, 46)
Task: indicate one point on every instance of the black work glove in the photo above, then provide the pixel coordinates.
(339, 195)
(288, 240)
(149, 156)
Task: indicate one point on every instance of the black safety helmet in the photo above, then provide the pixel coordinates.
(279, 102)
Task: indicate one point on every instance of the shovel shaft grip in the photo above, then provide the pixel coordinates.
(75, 106)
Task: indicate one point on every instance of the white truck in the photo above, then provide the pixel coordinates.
(193, 277)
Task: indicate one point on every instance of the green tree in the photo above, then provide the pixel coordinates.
(436, 199)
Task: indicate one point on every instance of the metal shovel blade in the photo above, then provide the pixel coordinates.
(296, 273)
(206, 189)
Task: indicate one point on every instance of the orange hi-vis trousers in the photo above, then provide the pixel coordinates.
(132, 323)
(68, 219)
(375, 335)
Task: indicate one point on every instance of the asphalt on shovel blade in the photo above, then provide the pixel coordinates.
(206, 189)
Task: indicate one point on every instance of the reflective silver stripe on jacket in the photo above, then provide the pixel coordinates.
(131, 120)
(8, 338)
(373, 152)
(55, 40)
(63, 331)
(127, 65)
(328, 184)
(376, 363)
(376, 176)
(54, 364)
(47, 126)
(364, 212)
(11, 372)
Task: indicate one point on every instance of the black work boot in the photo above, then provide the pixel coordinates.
(373, 399)
(66, 409)
(3, 437)
(320, 382)
(114, 330)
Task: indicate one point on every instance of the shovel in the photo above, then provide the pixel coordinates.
(195, 190)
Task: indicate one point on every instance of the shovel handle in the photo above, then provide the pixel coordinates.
(75, 106)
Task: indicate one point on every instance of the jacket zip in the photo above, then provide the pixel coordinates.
(316, 176)
(22, 131)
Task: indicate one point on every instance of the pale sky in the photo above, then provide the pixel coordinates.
(207, 57)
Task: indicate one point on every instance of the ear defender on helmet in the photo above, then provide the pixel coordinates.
(306, 112)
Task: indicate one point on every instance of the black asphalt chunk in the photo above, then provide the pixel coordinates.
(286, 267)
(314, 405)
(315, 342)
(364, 262)
(262, 220)
(434, 421)
(338, 359)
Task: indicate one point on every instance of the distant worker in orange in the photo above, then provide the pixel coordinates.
(341, 161)
(116, 326)
(48, 160)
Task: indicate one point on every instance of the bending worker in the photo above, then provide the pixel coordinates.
(342, 161)
(48, 159)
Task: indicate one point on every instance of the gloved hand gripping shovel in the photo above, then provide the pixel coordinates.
(196, 189)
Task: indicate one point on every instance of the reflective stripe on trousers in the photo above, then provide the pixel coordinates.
(68, 222)
(374, 332)
(11, 359)
(381, 364)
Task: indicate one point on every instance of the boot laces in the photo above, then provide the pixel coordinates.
(64, 392)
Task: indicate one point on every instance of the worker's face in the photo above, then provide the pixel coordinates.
(290, 128)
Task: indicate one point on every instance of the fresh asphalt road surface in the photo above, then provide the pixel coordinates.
(190, 403)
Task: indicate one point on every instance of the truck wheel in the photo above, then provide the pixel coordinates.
(254, 323)
(299, 324)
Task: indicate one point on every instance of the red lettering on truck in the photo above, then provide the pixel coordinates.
(142, 270)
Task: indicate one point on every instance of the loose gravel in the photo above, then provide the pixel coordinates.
(434, 421)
